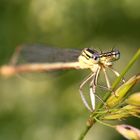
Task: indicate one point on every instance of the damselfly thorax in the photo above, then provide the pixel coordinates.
(41, 58)
(96, 62)
(91, 59)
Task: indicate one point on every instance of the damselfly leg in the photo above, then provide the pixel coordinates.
(116, 73)
(92, 92)
(93, 85)
(97, 62)
(81, 92)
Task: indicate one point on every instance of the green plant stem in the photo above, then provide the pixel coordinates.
(83, 134)
(129, 65)
(106, 124)
(94, 115)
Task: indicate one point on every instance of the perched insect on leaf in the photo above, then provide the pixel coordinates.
(38, 58)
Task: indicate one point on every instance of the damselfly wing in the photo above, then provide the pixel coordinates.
(45, 54)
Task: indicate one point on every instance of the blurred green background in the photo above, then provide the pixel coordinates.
(50, 108)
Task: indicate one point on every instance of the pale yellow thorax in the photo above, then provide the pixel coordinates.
(87, 62)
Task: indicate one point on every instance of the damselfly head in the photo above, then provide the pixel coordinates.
(115, 54)
(90, 57)
(108, 58)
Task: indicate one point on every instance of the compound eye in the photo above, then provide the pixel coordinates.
(116, 54)
(96, 57)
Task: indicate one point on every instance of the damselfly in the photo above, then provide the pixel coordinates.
(44, 58)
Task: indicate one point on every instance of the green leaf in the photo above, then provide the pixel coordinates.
(122, 91)
(124, 112)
